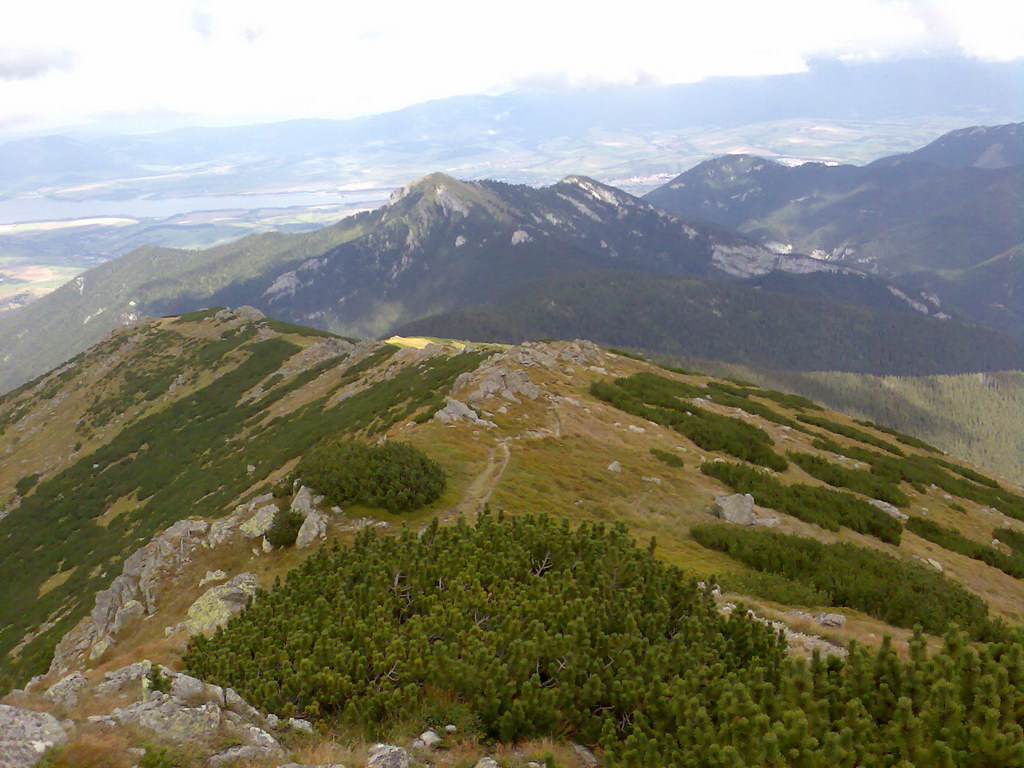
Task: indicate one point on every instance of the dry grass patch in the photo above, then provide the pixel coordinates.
(90, 748)
(56, 580)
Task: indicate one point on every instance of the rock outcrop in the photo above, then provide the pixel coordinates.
(137, 583)
(456, 410)
(25, 735)
(132, 594)
(64, 693)
(388, 756)
(314, 528)
(190, 711)
(220, 603)
(259, 523)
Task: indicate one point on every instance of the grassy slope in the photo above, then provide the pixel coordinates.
(977, 416)
(550, 454)
(79, 314)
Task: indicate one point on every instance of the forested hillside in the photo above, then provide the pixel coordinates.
(938, 221)
(729, 322)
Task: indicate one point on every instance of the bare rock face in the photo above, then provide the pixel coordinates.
(426, 740)
(25, 735)
(259, 523)
(137, 582)
(498, 381)
(128, 612)
(64, 693)
(192, 711)
(220, 603)
(585, 756)
(735, 508)
(120, 679)
(830, 619)
(314, 528)
(303, 501)
(456, 410)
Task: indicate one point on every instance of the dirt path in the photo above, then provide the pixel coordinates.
(483, 485)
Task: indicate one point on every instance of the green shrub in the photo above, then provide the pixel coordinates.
(393, 476)
(922, 471)
(851, 432)
(662, 401)
(954, 541)
(162, 757)
(25, 484)
(774, 587)
(533, 630)
(672, 459)
(858, 480)
(158, 681)
(896, 591)
(1011, 538)
(533, 626)
(821, 506)
(285, 528)
(904, 438)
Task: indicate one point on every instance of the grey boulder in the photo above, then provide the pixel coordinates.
(25, 735)
(388, 756)
(735, 508)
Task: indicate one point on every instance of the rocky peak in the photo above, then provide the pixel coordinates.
(596, 190)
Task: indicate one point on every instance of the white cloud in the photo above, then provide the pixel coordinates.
(239, 60)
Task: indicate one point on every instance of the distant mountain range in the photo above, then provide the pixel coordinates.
(533, 135)
(442, 245)
(945, 220)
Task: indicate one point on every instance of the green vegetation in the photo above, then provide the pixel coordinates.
(1013, 539)
(902, 437)
(155, 459)
(813, 504)
(672, 459)
(285, 528)
(851, 432)
(859, 480)
(282, 327)
(923, 471)
(534, 630)
(661, 400)
(896, 591)
(788, 329)
(954, 541)
(747, 389)
(721, 396)
(392, 476)
(775, 587)
(157, 680)
(26, 484)
(979, 417)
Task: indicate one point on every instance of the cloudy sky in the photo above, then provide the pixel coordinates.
(139, 64)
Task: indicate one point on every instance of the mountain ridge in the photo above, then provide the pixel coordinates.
(439, 244)
(929, 218)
